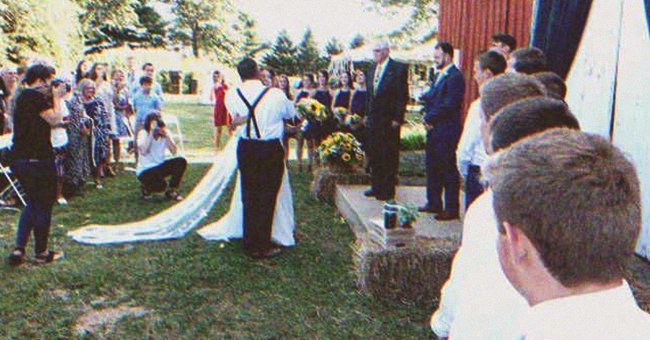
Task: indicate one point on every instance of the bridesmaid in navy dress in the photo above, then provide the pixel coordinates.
(359, 105)
(342, 96)
(308, 129)
(324, 96)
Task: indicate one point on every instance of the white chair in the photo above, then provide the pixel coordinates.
(12, 184)
(174, 129)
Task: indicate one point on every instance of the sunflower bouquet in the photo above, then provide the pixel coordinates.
(312, 110)
(352, 121)
(340, 113)
(340, 149)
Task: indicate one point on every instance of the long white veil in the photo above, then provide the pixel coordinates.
(176, 221)
(183, 217)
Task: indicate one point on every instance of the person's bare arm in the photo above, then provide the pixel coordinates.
(54, 116)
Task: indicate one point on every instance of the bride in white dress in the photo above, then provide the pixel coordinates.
(231, 225)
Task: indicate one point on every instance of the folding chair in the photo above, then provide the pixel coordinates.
(13, 186)
(172, 120)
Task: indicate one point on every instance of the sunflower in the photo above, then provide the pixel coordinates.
(359, 157)
(346, 157)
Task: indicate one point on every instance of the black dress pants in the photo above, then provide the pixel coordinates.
(383, 153)
(154, 179)
(261, 165)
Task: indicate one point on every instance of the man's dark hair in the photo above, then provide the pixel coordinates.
(576, 197)
(554, 84)
(529, 60)
(506, 39)
(493, 61)
(446, 48)
(146, 80)
(527, 117)
(38, 71)
(507, 88)
(247, 69)
(146, 64)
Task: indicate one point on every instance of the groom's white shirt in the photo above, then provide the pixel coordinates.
(478, 301)
(269, 113)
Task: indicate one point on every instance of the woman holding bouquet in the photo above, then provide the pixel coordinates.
(310, 129)
(342, 96)
(291, 126)
(359, 106)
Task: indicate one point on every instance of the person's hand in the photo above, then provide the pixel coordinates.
(58, 91)
(395, 124)
(428, 126)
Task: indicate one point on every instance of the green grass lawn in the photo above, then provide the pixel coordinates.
(191, 288)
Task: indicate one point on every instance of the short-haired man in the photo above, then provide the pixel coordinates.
(504, 41)
(567, 259)
(156, 88)
(260, 156)
(477, 302)
(471, 152)
(442, 105)
(554, 84)
(527, 60)
(388, 94)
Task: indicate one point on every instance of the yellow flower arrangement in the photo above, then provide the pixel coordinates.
(312, 110)
(340, 149)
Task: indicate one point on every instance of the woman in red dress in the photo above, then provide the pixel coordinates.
(220, 114)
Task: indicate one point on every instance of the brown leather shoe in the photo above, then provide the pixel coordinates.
(447, 216)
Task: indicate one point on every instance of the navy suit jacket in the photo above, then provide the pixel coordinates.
(442, 107)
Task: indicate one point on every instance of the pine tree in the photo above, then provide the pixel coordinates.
(333, 47)
(309, 59)
(282, 57)
(357, 41)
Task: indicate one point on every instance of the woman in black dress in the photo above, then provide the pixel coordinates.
(309, 130)
(359, 105)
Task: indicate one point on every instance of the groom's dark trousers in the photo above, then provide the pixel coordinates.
(261, 164)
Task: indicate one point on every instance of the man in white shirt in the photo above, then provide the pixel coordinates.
(471, 152)
(567, 228)
(477, 301)
(259, 153)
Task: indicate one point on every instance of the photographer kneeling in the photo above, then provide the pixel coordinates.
(153, 168)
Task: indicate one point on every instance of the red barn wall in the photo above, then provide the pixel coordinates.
(469, 24)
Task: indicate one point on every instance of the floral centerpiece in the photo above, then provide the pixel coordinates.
(341, 150)
(312, 110)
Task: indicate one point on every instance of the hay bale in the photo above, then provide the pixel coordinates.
(414, 273)
(323, 187)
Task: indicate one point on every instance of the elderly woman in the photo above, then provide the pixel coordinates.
(101, 128)
(77, 164)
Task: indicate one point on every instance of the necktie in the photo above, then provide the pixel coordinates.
(377, 77)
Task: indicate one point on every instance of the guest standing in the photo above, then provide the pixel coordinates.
(123, 111)
(77, 165)
(104, 92)
(442, 105)
(37, 110)
(359, 106)
(309, 130)
(387, 99)
(291, 126)
(220, 116)
(96, 110)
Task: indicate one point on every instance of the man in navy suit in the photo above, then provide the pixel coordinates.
(442, 108)
(387, 97)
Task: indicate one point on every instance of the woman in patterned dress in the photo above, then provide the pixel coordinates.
(101, 131)
(77, 164)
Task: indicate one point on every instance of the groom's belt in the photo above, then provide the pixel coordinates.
(260, 141)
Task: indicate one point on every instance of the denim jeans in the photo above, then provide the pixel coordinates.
(38, 179)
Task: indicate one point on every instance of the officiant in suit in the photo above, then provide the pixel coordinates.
(387, 98)
(442, 109)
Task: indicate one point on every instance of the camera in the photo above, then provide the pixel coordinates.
(57, 81)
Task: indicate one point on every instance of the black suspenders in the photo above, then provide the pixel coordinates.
(251, 112)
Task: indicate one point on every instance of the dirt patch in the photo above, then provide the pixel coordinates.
(104, 320)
